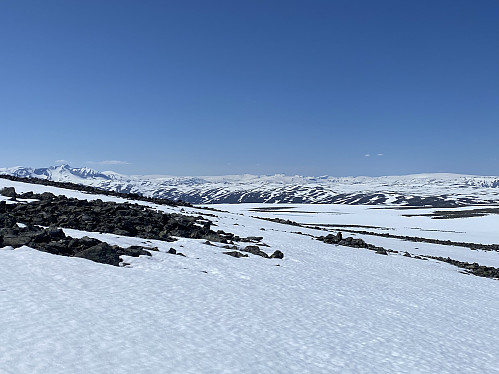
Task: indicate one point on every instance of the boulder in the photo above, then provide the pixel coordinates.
(236, 254)
(254, 249)
(6, 220)
(15, 237)
(8, 192)
(133, 251)
(47, 196)
(103, 253)
(277, 254)
(55, 233)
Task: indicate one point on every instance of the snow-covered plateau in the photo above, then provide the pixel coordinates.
(323, 308)
(432, 190)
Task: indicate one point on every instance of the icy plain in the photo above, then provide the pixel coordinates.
(322, 309)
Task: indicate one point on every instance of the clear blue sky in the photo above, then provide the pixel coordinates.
(263, 87)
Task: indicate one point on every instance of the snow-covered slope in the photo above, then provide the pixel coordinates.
(322, 309)
(437, 190)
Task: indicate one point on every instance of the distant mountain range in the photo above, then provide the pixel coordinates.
(432, 190)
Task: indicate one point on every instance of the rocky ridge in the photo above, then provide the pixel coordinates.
(36, 212)
(339, 239)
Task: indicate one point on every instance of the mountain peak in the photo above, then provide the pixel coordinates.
(60, 173)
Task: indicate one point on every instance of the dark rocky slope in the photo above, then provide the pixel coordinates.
(53, 240)
(126, 219)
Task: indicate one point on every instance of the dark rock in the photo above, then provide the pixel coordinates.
(172, 251)
(8, 192)
(15, 238)
(41, 237)
(55, 233)
(133, 251)
(47, 196)
(57, 248)
(254, 249)
(359, 243)
(277, 254)
(352, 242)
(102, 253)
(332, 239)
(280, 220)
(6, 220)
(236, 254)
(254, 238)
(26, 195)
(121, 232)
(89, 242)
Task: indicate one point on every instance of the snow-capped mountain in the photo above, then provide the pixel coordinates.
(63, 173)
(437, 190)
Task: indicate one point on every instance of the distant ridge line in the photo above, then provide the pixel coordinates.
(441, 190)
(95, 190)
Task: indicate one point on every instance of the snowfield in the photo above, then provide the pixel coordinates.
(393, 219)
(322, 309)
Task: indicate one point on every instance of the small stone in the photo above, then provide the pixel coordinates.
(236, 254)
(277, 254)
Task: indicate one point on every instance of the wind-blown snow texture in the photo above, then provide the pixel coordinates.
(416, 190)
(324, 309)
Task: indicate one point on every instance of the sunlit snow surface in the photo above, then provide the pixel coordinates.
(325, 309)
